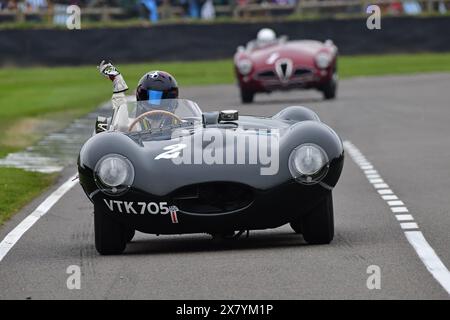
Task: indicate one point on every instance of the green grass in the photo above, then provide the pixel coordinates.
(37, 100)
(17, 187)
(378, 65)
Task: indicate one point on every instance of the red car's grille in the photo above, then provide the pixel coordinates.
(267, 74)
(301, 72)
(271, 75)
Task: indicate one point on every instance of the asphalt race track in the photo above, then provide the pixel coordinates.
(399, 123)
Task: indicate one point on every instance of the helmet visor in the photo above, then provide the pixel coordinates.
(155, 96)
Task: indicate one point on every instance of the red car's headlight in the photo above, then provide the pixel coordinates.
(244, 66)
(323, 60)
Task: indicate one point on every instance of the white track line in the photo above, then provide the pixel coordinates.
(395, 203)
(409, 225)
(14, 236)
(385, 191)
(389, 197)
(404, 217)
(428, 256)
(399, 209)
(425, 252)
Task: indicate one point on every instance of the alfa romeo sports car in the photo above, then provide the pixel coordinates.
(162, 176)
(284, 65)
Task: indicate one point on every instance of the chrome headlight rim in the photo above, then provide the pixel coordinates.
(123, 186)
(245, 66)
(323, 60)
(309, 178)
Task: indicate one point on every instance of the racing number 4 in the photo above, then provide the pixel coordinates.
(172, 152)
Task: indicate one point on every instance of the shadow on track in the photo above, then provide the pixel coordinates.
(204, 243)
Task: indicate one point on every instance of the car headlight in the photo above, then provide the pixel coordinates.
(244, 66)
(308, 163)
(114, 174)
(323, 60)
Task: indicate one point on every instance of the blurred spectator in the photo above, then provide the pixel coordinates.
(412, 7)
(12, 5)
(395, 8)
(208, 12)
(152, 8)
(192, 7)
(35, 5)
(442, 8)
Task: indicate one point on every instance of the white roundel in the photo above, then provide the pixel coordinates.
(266, 35)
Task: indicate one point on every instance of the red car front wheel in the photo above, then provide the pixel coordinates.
(329, 89)
(247, 96)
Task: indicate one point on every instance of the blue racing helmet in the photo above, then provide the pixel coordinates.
(157, 85)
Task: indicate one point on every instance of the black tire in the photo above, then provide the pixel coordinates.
(330, 88)
(129, 234)
(297, 226)
(247, 96)
(110, 236)
(317, 226)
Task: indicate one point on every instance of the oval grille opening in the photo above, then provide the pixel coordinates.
(215, 197)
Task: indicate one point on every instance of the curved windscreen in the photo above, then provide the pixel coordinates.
(257, 44)
(161, 113)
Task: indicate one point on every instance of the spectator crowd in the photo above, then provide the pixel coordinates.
(205, 9)
(27, 5)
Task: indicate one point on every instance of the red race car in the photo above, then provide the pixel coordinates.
(269, 63)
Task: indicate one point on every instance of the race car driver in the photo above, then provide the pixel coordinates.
(154, 85)
(266, 36)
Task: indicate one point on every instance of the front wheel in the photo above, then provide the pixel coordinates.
(247, 96)
(129, 234)
(317, 226)
(110, 236)
(329, 89)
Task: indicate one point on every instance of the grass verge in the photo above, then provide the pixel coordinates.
(35, 101)
(18, 187)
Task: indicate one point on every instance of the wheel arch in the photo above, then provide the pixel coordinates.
(297, 113)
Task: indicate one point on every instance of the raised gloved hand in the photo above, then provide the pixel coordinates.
(107, 69)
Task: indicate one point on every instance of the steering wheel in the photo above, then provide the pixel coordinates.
(153, 112)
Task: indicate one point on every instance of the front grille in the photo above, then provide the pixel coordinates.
(267, 74)
(214, 197)
(301, 72)
(271, 75)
